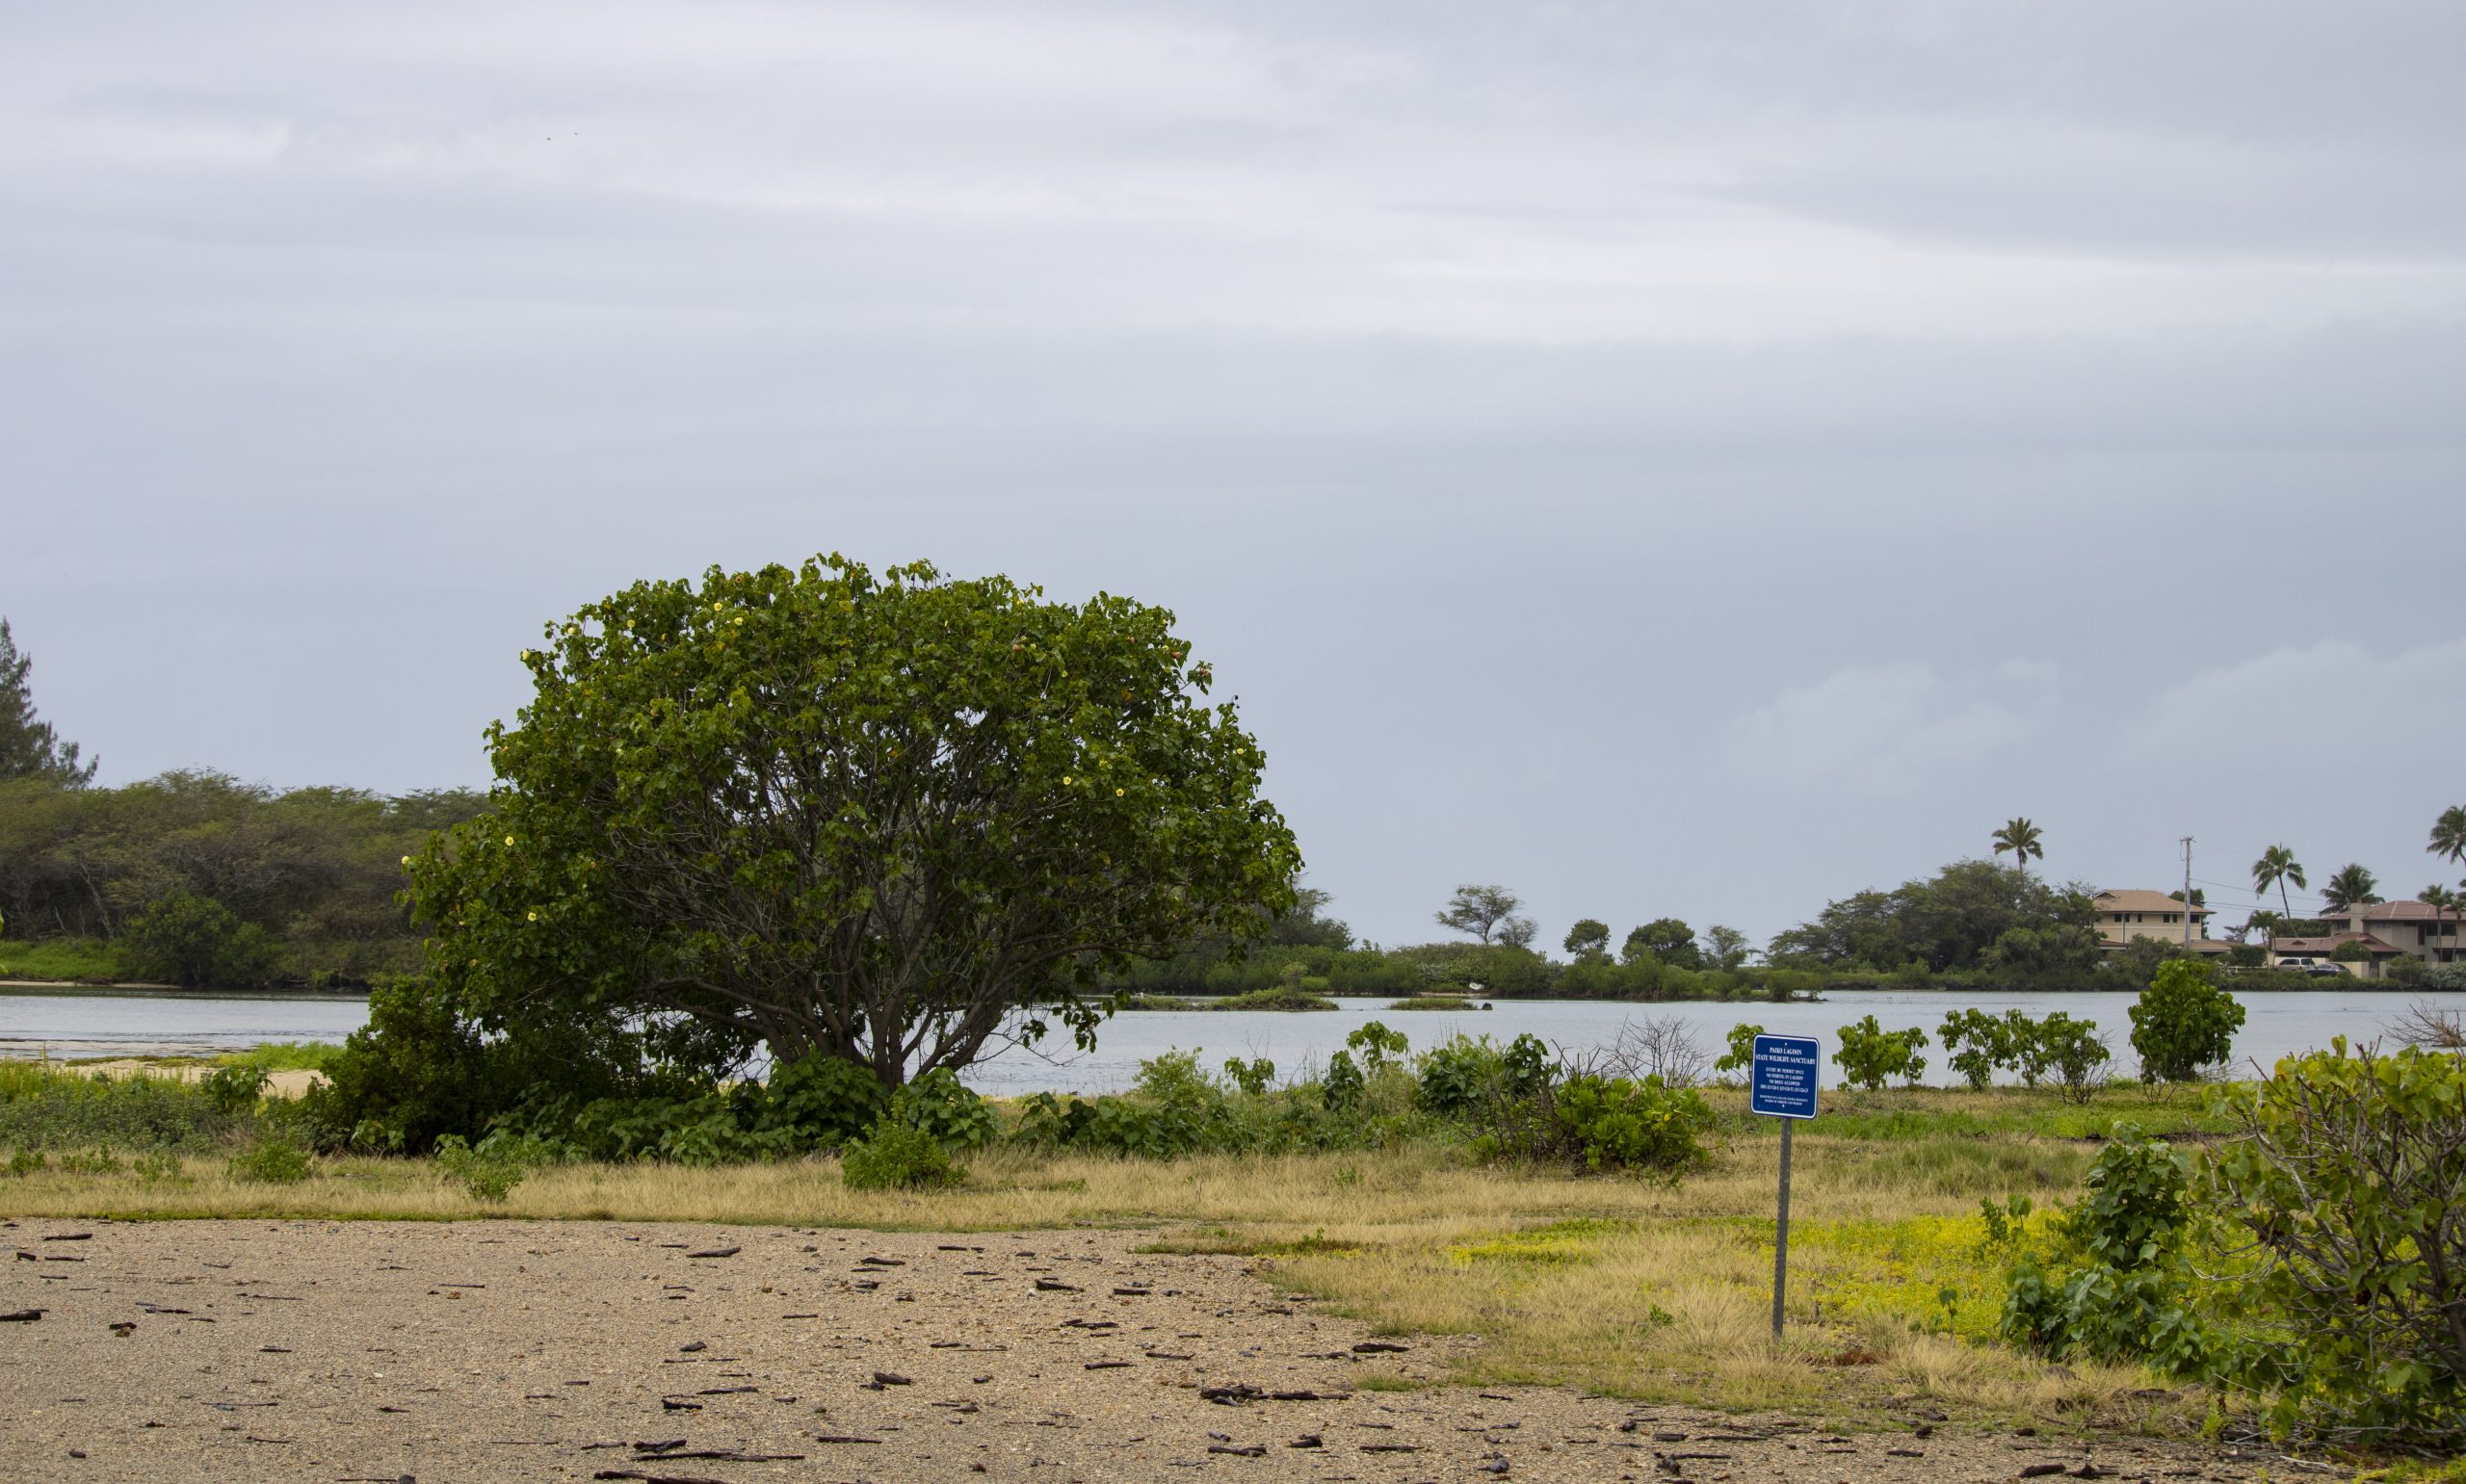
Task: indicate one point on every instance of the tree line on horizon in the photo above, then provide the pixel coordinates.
(200, 878)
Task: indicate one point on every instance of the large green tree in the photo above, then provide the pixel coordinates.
(2277, 867)
(29, 746)
(1588, 939)
(1666, 940)
(895, 819)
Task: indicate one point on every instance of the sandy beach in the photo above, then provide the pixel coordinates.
(504, 1350)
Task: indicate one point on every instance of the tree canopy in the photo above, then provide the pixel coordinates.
(1487, 913)
(313, 873)
(889, 818)
(31, 747)
(1970, 915)
(1588, 938)
(1667, 940)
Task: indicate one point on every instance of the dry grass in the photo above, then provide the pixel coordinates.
(1627, 1287)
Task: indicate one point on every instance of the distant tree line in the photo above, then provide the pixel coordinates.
(199, 879)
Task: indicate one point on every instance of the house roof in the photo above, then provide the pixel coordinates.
(2407, 910)
(2330, 944)
(2141, 901)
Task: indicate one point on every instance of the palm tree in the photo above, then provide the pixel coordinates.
(2263, 922)
(2277, 867)
(2020, 837)
(2351, 887)
(2442, 901)
(2448, 834)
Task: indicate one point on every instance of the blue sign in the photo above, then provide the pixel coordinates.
(1786, 1070)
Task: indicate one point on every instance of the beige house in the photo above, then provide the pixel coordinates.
(2406, 927)
(2123, 915)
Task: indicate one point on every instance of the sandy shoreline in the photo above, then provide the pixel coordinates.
(504, 1350)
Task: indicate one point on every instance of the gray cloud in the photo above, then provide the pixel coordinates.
(1621, 452)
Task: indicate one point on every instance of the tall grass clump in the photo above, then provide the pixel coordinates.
(51, 1108)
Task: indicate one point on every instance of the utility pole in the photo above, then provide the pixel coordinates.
(2187, 891)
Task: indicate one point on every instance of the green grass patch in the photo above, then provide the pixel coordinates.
(1274, 999)
(69, 960)
(1924, 1114)
(283, 1057)
(52, 1107)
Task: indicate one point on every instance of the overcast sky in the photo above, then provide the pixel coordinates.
(1687, 458)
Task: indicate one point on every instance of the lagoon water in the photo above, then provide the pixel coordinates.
(85, 1023)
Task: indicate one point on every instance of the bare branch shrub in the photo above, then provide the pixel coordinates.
(1659, 1046)
(2432, 1027)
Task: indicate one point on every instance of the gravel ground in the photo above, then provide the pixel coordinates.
(529, 1351)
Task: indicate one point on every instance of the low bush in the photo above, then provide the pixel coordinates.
(1276, 1000)
(50, 1107)
(893, 1155)
(2074, 1052)
(937, 1106)
(2347, 1177)
(1460, 1076)
(2184, 1023)
(1976, 1044)
(1739, 1054)
(274, 1158)
(1618, 1124)
(486, 1178)
(2115, 1287)
(1869, 1054)
(74, 960)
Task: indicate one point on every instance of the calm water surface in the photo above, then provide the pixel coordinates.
(101, 1024)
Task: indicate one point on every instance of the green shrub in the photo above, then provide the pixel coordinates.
(2119, 1289)
(235, 1090)
(1276, 1000)
(420, 1068)
(197, 942)
(28, 1162)
(1869, 1054)
(2183, 1022)
(2347, 1177)
(274, 1158)
(1253, 1078)
(937, 1106)
(71, 959)
(1741, 1053)
(1380, 1047)
(1615, 1123)
(161, 1167)
(825, 1101)
(2074, 1052)
(1341, 1088)
(1977, 1043)
(490, 1170)
(896, 1157)
(52, 1107)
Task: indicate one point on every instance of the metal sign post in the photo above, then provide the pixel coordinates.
(1781, 1085)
